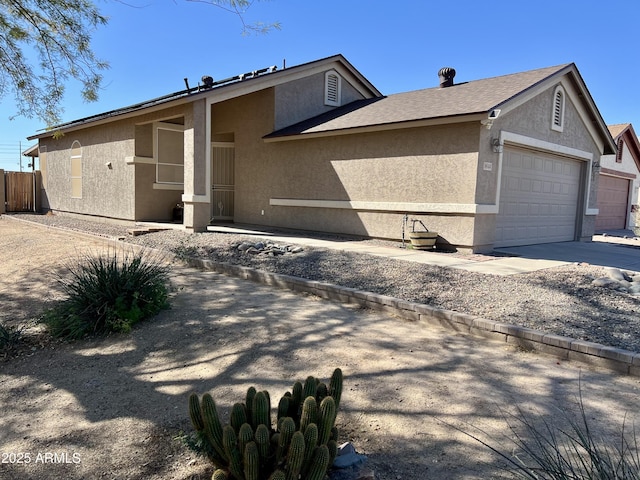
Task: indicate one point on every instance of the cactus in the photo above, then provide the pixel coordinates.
(332, 445)
(220, 474)
(260, 411)
(277, 475)
(335, 386)
(310, 443)
(322, 391)
(238, 416)
(248, 402)
(283, 407)
(195, 412)
(251, 461)
(286, 432)
(310, 387)
(326, 419)
(212, 426)
(296, 400)
(295, 457)
(319, 463)
(300, 447)
(245, 435)
(309, 413)
(262, 438)
(268, 397)
(230, 442)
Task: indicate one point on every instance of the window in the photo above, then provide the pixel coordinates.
(76, 170)
(557, 117)
(169, 153)
(332, 88)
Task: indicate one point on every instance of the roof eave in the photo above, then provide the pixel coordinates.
(224, 92)
(425, 122)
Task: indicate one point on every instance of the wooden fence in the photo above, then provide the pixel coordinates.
(21, 191)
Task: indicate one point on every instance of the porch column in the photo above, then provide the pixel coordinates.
(196, 197)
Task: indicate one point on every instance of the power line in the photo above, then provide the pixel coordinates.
(11, 154)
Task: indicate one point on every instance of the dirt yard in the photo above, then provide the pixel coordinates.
(115, 408)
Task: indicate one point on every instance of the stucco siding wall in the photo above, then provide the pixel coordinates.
(144, 140)
(153, 204)
(105, 191)
(123, 190)
(299, 100)
(414, 165)
(421, 165)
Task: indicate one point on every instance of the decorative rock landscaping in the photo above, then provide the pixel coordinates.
(267, 248)
(620, 280)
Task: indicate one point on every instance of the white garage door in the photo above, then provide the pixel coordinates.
(538, 198)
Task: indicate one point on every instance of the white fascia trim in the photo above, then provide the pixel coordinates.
(537, 144)
(456, 208)
(195, 198)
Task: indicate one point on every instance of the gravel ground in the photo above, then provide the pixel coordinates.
(558, 300)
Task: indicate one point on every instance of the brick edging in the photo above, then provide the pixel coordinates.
(565, 348)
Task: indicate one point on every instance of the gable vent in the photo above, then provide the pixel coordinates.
(332, 89)
(557, 110)
(619, 151)
(557, 115)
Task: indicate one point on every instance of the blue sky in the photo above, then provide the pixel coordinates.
(152, 45)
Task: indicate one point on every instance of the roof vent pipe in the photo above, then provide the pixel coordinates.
(446, 75)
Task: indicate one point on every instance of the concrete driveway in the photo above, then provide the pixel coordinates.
(605, 250)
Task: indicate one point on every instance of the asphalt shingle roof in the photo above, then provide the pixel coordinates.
(479, 96)
(616, 130)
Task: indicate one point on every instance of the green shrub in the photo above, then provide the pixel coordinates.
(108, 293)
(302, 445)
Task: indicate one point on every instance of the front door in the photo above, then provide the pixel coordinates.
(222, 181)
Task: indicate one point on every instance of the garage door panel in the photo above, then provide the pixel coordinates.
(613, 194)
(538, 199)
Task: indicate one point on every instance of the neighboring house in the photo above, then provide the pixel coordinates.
(619, 182)
(495, 162)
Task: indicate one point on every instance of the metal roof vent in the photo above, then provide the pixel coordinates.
(446, 75)
(207, 81)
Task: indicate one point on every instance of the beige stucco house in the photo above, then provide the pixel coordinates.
(494, 162)
(619, 182)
